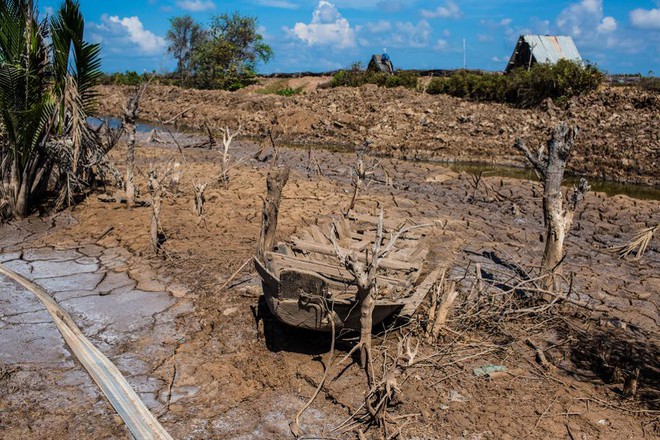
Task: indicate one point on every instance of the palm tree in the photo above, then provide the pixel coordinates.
(46, 91)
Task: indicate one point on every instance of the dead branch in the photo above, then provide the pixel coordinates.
(445, 294)
(313, 165)
(295, 424)
(364, 273)
(638, 244)
(227, 138)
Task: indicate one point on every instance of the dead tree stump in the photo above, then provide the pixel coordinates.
(200, 199)
(550, 165)
(275, 182)
(360, 175)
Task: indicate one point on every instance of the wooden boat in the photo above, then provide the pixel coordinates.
(303, 278)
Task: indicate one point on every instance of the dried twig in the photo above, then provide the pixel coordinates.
(638, 244)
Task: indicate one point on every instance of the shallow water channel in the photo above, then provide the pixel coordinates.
(637, 191)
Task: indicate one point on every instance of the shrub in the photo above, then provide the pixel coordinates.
(356, 77)
(650, 83)
(521, 87)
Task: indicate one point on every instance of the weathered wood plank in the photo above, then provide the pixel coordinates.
(386, 263)
(413, 301)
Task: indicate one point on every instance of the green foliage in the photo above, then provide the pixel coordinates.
(47, 78)
(281, 88)
(184, 38)
(228, 56)
(128, 78)
(521, 87)
(356, 77)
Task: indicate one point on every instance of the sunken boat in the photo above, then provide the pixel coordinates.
(304, 280)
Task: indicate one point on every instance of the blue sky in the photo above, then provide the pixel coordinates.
(621, 36)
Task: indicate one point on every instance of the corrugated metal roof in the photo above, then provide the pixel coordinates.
(550, 49)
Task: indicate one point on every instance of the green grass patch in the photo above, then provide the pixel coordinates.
(280, 87)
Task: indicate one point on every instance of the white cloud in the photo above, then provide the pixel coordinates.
(585, 20)
(282, 4)
(607, 25)
(408, 34)
(147, 41)
(196, 5)
(505, 21)
(441, 45)
(450, 10)
(645, 18)
(377, 27)
(401, 34)
(327, 28)
(126, 35)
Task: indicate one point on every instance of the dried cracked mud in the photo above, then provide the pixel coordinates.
(212, 363)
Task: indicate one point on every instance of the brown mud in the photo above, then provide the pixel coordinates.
(619, 141)
(213, 363)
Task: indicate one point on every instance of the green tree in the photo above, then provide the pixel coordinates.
(47, 74)
(230, 52)
(184, 37)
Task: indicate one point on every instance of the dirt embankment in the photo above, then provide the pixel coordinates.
(620, 137)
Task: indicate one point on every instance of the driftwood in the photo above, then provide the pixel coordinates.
(550, 165)
(139, 421)
(275, 182)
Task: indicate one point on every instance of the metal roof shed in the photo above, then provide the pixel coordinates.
(532, 49)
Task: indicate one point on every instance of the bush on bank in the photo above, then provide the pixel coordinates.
(356, 77)
(521, 87)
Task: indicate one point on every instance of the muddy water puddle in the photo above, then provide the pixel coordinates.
(636, 191)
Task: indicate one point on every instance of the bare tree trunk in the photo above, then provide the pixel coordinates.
(367, 301)
(275, 182)
(156, 192)
(128, 124)
(550, 165)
